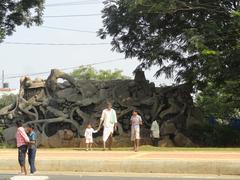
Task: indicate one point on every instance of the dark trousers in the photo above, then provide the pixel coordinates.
(155, 142)
(31, 159)
(22, 150)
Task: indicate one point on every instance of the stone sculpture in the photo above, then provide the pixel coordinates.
(60, 110)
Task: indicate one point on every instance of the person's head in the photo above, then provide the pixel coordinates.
(134, 113)
(89, 125)
(30, 128)
(19, 124)
(109, 105)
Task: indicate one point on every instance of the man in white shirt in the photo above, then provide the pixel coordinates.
(155, 133)
(109, 121)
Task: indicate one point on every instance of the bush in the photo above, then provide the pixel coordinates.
(215, 135)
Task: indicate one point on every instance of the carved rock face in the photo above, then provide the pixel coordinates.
(61, 110)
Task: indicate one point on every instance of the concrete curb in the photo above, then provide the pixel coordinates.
(169, 166)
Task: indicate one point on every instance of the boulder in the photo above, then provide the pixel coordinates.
(168, 128)
(182, 141)
(166, 142)
(9, 135)
(66, 134)
(60, 139)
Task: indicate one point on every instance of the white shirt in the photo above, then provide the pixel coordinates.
(109, 118)
(89, 132)
(136, 121)
(155, 129)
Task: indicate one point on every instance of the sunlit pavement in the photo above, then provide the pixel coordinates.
(175, 162)
(75, 176)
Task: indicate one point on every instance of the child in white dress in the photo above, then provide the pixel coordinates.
(89, 136)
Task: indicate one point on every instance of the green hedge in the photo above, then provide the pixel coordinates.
(218, 135)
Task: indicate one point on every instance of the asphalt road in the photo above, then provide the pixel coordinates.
(80, 177)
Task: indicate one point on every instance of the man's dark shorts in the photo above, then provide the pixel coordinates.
(22, 150)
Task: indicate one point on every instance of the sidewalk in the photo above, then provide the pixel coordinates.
(196, 162)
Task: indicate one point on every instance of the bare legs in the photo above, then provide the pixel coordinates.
(88, 146)
(136, 145)
(110, 140)
(23, 170)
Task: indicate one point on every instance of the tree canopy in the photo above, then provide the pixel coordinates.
(220, 103)
(16, 13)
(89, 73)
(196, 40)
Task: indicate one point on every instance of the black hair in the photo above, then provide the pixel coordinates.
(89, 123)
(19, 124)
(135, 111)
(30, 126)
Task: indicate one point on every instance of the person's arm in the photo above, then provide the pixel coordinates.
(95, 131)
(131, 121)
(24, 135)
(33, 140)
(101, 120)
(85, 133)
(140, 120)
(116, 122)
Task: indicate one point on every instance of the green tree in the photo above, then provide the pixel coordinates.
(16, 13)
(6, 100)
(89, 73)
(222, 103)
(198, 40)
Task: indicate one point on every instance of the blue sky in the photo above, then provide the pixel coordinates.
(27, 59)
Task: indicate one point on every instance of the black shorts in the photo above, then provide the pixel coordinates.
(22, 151)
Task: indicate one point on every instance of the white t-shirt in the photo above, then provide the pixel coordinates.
(109, 118)
(89, 132)
(155, 129)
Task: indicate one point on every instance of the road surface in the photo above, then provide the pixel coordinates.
(83, 177)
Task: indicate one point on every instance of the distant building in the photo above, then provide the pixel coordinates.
(8, 91)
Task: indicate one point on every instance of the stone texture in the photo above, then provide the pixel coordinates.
(60, 110)
(166, 142)
(9, 135)
(182, 141)
(168, 128)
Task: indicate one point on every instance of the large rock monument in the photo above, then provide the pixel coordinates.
(60, 107)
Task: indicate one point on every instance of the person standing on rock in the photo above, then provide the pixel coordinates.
(155, 133)
(109, 121)
(22, 145)
(32, 148)
(136, 121)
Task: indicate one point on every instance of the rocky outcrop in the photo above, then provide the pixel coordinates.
(61, 110)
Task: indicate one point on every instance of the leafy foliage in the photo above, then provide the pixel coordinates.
(19, 12)
(6, 100)
(215, 136)
(222, 103)
(89, 73)
(198, 40)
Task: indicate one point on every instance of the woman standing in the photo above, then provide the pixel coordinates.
(136, 121)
